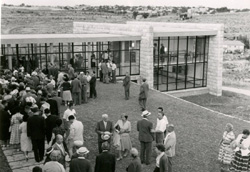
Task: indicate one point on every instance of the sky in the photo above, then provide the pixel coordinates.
(239, 4)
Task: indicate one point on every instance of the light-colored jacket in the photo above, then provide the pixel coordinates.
(170, 142)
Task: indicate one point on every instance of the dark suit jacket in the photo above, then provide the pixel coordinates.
(50, 122)
(92, 82)
(80, 165)
(53, 106)
(144, 91)
(135, 165)
(164, 163)
(144, 127)
(100, 128)
(126, 82)
(76, 86)
(36, 127)
(105, 162)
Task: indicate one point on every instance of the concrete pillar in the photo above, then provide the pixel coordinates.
(9, 57)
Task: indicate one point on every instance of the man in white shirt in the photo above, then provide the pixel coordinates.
(170, 142)
(113, 72)
(160, 127)
(75, 133)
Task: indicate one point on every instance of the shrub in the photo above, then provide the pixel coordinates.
(145, 15)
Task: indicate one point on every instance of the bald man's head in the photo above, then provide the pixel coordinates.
(59, 139)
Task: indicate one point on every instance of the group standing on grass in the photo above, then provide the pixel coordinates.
(234, 153)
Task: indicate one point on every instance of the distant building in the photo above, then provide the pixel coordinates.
(232, 46)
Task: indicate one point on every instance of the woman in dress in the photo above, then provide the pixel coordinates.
(241, 160)
(26, 145)
(15, 123)
(125, 128)
(226, 151)
(66, 87)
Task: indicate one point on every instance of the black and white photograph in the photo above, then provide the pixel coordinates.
(125, 86)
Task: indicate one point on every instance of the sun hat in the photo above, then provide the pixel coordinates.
(105, 137)
(82, 150)
(27, 88)
(146, 113)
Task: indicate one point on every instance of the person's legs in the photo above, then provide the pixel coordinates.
(94, 92)
(74, 98)
(144, 103)
(100, 147)
(107, 78)
(148, 152)
(35, 149)
(91, 92)
(101, 76)
(41, 149)
(170, 164)
(79, 98)
(142, 152)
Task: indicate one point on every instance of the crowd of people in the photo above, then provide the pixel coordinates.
(30, 115)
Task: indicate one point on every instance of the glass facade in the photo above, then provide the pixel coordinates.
(180, 62)
(85, 56)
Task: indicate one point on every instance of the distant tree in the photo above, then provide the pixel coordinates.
(245, 40)
(222, 10)
(145, 15)
(135, 13)
(22, 5)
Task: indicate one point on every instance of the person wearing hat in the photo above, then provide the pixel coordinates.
(146, 137)
(105, 162)
(143, 95)
(81, 164)
(84, 82)
(170, 142)
(77, 144)
(36, 131)
(104, 129)
(135, 164)
(54, 165)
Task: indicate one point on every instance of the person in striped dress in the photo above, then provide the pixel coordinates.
(226, 152)
(241, 160)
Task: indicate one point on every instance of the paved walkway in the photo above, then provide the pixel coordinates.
(18, 162)
(236, 90)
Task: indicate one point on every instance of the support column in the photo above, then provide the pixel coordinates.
(9, 57)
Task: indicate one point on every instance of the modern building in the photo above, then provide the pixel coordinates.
(172, 57)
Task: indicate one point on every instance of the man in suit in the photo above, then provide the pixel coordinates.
(36, 131)
(50, 122)
(146, 137)
(84, 82)
(104, 128)
(53, 105)
(144, 88)
(126, 85)
(105, 162)
(170, 142)
(105, 72)
(58, 101)
(161, 159)
(76, 91)
(80, 164)
(92, 85)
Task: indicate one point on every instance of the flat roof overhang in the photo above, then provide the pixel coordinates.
(165, 32)
(65, 38)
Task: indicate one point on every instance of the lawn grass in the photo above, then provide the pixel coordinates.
(229, 103)
(198, 130)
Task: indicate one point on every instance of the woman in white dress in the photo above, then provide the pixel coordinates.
(26, 145)
(124, 130)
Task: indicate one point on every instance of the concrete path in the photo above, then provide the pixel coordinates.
(18, 162)
(237, 90)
